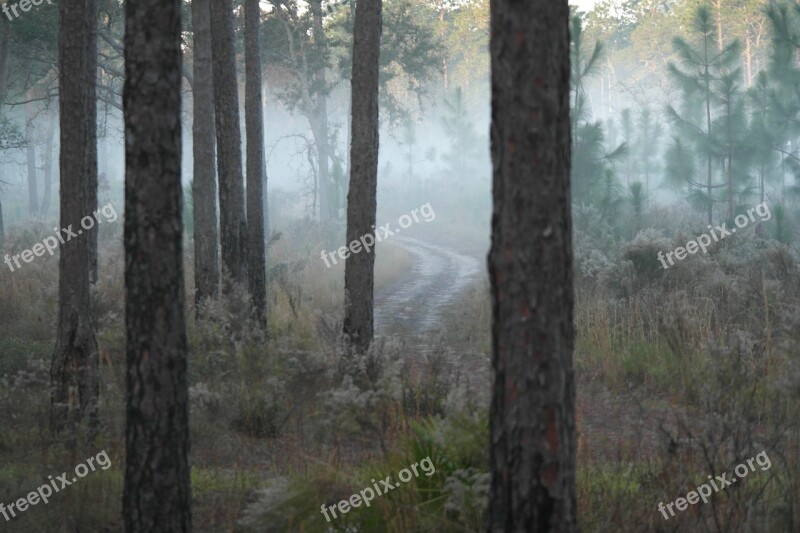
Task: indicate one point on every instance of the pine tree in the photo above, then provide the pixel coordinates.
(204, 184)
(532, 421)
(256, 172)
(233, 222)
(590, 158)
(75, 359)
(359, 271)
(701, 66)
(157, 491)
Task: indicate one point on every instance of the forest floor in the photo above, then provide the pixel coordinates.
(414, 305)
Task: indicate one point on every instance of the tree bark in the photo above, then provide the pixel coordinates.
(359, 273)
(233, 224)
(254, 122)
(73, 374)
(204, 190)
(156, 495)
(532, 448)
(30, 153)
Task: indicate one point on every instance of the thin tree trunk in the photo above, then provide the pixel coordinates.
(442, 32)
(204, 189)
(710, 206)
(532, 457)
(730, 157)
(254, 122)
(233, 224)
(48, 163)
(73, 374)
(359, 270)
(748, 60)
(329, 205)
(30, 153)
(157, 491)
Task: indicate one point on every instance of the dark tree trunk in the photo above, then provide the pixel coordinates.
(5, 42)
(157, 492)
(204, 190)
(532, 448)
(233, 225)
(254, 122)
(73, 374)
(30, 156)
(359, 273)
(48, 163)
(328, 204)
(5, 38)
(91, 142)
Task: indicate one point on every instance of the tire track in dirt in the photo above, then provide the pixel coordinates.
(413, 305)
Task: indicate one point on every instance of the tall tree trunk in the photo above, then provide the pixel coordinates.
(233, 224)
(445, 58)
(532, 449)
(359, 271)
(731, 210)
(328, 199)
(254, 122)
(5, 39)
(73, 374)
(204, 189)
(5, 47)
(91, 141)
(30, 153)
(709, 174)
(48, 163)
(157, 490)
(748, 59)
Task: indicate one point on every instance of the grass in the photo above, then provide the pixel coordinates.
(677, 378)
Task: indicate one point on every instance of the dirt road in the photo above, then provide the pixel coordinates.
(414, 304)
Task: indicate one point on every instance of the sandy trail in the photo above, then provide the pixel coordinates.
(414, 304)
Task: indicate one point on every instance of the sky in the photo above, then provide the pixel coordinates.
(584, 5)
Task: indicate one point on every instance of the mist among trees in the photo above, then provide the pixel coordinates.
(539, 264)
